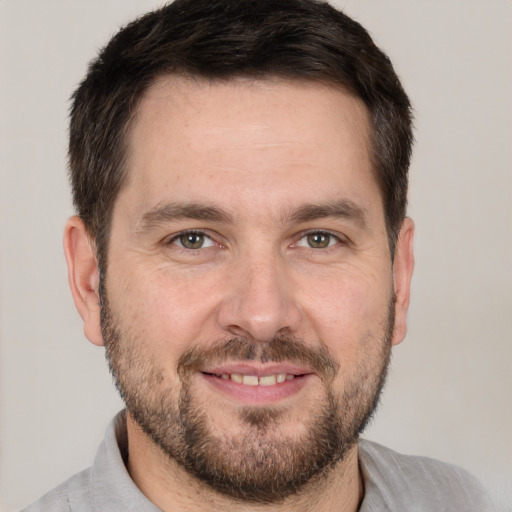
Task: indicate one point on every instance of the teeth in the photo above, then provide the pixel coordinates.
(268, 380)
(250, 380)
(254, 380)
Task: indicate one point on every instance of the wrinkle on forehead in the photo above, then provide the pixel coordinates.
(190, 133)
(178, 91)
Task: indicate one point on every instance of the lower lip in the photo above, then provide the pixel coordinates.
(258, 395)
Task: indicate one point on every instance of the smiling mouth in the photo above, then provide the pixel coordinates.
(254, 380)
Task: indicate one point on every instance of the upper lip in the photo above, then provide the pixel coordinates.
(259, 370)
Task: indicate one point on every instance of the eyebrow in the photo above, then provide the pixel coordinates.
(176, 211)
(341, 208)
(161, 214)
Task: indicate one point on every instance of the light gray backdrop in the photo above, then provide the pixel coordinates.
(449, 391)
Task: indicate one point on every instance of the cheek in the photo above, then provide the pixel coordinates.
(347, 307)
(164, 310)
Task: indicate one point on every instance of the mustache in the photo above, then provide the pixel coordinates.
(278, 349)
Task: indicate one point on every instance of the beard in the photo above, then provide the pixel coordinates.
(259, 464)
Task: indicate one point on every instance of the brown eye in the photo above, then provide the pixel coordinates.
(319, 240)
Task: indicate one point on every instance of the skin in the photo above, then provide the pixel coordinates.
(260, 151)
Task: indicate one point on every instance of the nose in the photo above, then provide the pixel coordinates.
(259, 301)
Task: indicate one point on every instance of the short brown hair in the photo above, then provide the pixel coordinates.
(304, 40)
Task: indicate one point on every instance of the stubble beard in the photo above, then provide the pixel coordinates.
(259, 465)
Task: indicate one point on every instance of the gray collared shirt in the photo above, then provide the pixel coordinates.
(393, 482)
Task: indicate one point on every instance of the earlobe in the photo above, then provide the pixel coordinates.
(403, 266)
(83, 275)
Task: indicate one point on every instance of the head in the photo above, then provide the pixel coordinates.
(240, 174)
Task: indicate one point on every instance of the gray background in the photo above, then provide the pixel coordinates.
(448, 395)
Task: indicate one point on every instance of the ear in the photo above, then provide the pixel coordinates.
(83, 275)
(403, 266)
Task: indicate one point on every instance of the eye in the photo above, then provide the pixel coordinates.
(193, 240)
(318, 240)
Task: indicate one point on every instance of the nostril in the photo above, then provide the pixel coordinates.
(259, 307)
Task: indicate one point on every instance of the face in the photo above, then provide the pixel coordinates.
(249, 295)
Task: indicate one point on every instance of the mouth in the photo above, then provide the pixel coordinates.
(257, 385)
(255, 380)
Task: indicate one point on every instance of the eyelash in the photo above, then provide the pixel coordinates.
(337, 239)
(188, 233)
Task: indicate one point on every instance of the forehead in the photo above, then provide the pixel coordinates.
(282, 140)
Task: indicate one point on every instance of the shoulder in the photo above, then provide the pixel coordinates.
(106, 486)
(394, 481)
(74, 494)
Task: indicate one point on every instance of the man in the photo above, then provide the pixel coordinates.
(242, 250)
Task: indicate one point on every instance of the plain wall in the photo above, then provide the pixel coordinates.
(448, 395)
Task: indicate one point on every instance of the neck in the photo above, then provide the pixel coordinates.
(171, 488)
